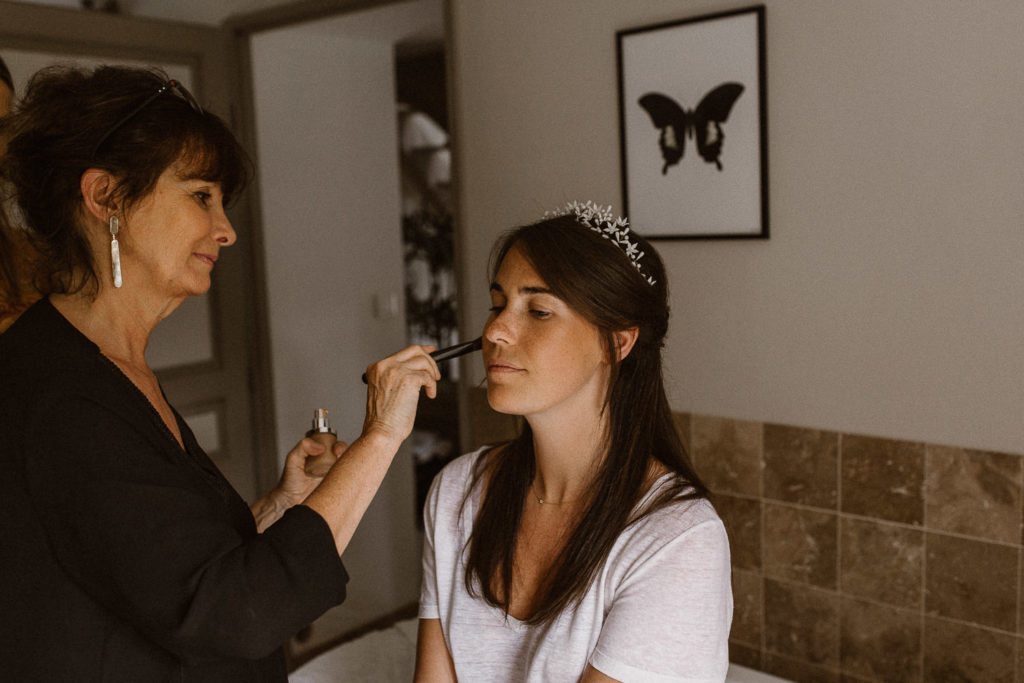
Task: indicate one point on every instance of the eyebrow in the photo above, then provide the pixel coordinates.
(495, 287)
(190, 176)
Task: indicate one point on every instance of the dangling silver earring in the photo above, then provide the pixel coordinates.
(115, 251)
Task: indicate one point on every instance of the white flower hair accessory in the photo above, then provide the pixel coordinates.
(603, 222)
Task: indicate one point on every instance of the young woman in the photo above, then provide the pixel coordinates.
(585, 549)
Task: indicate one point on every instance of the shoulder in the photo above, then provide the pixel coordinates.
(681, 515)
(682, 526)
(445, 506)
(463, 465)
(677, 556)
(40, 372)
(452, 483)
(458, 475)
(42, 343)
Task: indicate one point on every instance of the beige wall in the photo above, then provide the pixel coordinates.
(890, 297)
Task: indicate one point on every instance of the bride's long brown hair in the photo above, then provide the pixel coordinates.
(597, 280)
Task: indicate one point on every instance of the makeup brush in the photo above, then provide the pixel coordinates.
(452, 351)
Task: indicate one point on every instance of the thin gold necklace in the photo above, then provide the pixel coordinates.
(540, 500)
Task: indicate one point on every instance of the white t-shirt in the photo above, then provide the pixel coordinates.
(659, 609)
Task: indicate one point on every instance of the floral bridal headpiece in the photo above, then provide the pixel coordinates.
(613, 228)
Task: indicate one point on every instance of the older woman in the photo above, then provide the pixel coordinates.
(127, 556)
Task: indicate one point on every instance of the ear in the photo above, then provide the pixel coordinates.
(97, 188)
(625, 340)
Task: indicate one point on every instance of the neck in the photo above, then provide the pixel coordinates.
(567, 457)
(117, 321)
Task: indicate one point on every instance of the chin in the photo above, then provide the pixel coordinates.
(502, 400)
(199, 288)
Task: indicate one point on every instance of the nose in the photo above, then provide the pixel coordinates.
(223, 231)
(498, 330)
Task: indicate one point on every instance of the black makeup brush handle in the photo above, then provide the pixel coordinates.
(452, 351)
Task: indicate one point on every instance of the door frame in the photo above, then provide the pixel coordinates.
(242, 27)
(244, 30)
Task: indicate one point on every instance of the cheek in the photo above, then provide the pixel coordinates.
(575, 362)
(583, 347)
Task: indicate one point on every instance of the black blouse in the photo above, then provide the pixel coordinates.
(124, 557)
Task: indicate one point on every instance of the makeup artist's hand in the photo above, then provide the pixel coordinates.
(295, 484)
(393, 391)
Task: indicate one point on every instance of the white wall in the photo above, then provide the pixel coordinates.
(890, 298)
(328, 178)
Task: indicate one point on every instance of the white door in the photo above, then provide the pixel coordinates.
(329, 198)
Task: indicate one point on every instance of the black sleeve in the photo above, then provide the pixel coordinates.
(136, 527)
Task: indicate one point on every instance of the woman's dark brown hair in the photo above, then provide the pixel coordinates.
(54, 136)
(597, 280)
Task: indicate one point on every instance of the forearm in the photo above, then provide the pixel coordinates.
(433, 661)
(346, 492)
(592, 675)
(268, 510)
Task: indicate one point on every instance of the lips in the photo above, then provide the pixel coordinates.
(207, 258)
(501, 367)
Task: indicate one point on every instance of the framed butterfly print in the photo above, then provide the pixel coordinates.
(693, 127)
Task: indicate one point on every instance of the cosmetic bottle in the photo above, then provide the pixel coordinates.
(317, 465)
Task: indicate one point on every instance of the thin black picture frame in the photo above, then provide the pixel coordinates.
(695, 167)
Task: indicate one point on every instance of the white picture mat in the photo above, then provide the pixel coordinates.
(685, 62)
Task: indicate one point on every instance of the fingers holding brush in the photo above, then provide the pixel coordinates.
(394, 385)
(393, 390)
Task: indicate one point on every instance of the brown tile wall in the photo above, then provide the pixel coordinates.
(857, 558)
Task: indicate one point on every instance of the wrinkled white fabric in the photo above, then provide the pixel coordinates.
(659, 609)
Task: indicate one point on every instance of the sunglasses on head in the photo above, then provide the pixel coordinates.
(170, 85)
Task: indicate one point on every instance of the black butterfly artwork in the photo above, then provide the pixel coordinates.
(703, 123)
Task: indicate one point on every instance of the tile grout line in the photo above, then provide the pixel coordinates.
(1018, 673)
(1018, 643)
(875, 520)
(839, 547)
(792, 583)
(761, 519)
(924, 565)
